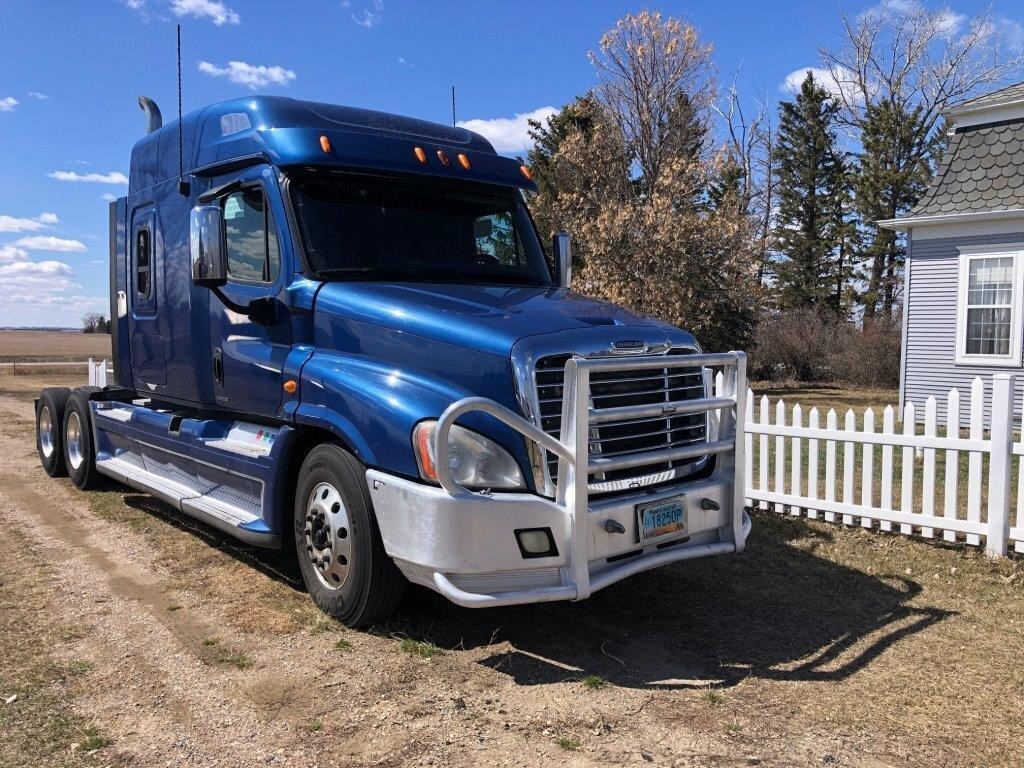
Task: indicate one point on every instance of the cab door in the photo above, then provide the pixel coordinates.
(248, 356)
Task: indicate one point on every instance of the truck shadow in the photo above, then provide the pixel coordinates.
(775, 612)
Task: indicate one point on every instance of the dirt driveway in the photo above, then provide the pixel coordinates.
(130, 635)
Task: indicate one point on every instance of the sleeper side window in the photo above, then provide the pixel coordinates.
(143, 263)
(253, 254)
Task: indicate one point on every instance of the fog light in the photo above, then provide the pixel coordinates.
(536, 542)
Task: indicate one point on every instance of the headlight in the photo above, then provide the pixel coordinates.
(474, 460)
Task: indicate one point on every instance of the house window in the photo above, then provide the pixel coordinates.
(989, 313)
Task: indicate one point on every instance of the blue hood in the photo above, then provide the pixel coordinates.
(487, 319)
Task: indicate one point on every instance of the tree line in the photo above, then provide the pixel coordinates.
(756, 227)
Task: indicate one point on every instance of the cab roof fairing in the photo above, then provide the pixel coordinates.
(287, 132)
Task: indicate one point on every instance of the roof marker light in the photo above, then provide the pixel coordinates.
(527, 173)
(420, 155)
(464, 161)
(325, 144)
(443, 157)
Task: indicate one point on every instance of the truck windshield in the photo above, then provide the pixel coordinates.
(362, 228)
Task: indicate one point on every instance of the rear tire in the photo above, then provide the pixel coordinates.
(50, 429)
(346, 570)
(79, 451)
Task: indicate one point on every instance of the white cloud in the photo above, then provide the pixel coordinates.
(108, 197)
(38, 95)
(509, 134)
(835, 81)
(36, 269)
(114, 177)
(214, 10)
(949, 21)
(250, 75)
(50, 243)
(369, 17)
(22, 224)
(8, 103)
(9, 253)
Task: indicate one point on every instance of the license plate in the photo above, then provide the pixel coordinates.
(660, 518)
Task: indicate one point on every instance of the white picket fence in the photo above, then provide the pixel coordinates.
(806, 479)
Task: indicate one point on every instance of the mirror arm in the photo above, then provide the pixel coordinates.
(242, 309)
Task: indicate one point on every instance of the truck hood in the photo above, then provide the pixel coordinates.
(487, 319)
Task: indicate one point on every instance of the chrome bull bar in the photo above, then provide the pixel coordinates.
(576, 464)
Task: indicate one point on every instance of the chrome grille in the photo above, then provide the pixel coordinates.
(620, 438)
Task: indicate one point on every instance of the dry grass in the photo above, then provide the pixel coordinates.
(38, 724)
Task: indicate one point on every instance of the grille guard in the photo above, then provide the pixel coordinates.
(575, 466)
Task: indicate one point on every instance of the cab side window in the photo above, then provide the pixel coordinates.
(252, 249)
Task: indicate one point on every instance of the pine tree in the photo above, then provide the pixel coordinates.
(893, 171)
(809, 227)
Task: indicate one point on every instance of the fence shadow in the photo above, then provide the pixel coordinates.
(775, 612)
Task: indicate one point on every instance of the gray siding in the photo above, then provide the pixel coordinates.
(929, 366)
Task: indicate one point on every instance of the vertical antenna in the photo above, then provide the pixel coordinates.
(453, 105)
(183, 186)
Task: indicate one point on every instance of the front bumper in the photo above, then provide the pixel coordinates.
(465, 546)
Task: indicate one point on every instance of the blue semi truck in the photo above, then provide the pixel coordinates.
(337, 331)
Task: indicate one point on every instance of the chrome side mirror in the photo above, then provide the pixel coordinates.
(563, 258)
(206, 236)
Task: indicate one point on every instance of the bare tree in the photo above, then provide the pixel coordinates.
(901, 65)
(749, 142)
(914, 57)
(649, 71)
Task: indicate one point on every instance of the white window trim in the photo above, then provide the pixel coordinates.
(967, 254)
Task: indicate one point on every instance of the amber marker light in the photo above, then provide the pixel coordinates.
(443, 157)
(420, 155)
(527, 173)
(325, 144)
(291, 386)
(463, 161)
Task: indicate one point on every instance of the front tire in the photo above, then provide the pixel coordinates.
(79, 451)
(50, 429)
(346, 570)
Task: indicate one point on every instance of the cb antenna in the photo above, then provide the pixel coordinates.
(453, 105)
(183, 186)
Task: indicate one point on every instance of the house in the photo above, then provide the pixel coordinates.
(963, 303)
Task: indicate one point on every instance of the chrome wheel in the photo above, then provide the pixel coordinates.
(47, 438)
(73, 438)
(328, 536)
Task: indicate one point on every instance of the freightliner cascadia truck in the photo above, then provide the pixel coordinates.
(337, 331)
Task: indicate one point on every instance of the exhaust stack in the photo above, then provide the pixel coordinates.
(154, 120)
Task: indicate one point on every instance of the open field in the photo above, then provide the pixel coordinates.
(55, 346)
(132, 635)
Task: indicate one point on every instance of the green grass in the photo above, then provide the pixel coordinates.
(711, 698)
(342, 645)
(78, 667)
(92, 739)
(234, 658)
(211, 641)
(568, 743)
(315, 725)
(425, 649)
(593, 681)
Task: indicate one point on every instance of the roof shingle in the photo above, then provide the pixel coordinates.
(982, 170)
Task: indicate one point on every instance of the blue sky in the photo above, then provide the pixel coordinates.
(70, 73)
